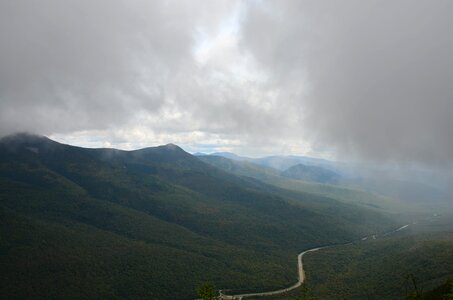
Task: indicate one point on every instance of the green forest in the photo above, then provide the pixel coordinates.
(158, 223)
(153, 223)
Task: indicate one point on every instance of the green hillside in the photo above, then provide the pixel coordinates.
(341, 193)
(411, 264)
(382, 268)
(311, 173)
(153, 223)
(442, 292)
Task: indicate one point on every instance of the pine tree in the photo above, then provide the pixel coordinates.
(206, 291)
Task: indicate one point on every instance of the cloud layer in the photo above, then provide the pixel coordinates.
(380, 72)
(72, 65)
(357, 78)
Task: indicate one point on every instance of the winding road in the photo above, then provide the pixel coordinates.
(300, 269)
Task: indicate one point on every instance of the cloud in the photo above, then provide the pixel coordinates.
(170, 68)
(365, 78)
(74, 65)
(379, 72)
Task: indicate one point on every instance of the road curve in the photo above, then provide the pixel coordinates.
(301, 272)
(300, 269)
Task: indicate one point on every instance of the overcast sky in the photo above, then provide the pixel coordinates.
(345, 79)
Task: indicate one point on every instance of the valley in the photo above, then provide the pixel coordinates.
(301, 271)
(122, 224)
(227, 149)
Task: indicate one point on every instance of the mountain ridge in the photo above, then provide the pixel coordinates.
(279, 162)
(156, 199)
(311, 173)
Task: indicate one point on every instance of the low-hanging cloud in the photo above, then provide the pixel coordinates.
(367, 78)
(380, 72)
(87, 66)
(75, 65)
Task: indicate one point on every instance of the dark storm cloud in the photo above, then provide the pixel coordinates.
(380, 73)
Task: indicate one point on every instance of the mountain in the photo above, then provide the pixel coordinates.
(384, 187)
(232, 156)
(199, 154)
(279, 162)
(240, 167)
(151, 223)
(311, 173)
(284, 162)
(343, 194)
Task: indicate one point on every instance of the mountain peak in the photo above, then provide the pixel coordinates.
(171, 146)
(23, 137)
(164, 153)
(26, 140)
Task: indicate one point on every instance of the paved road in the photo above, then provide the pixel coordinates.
(301, 271)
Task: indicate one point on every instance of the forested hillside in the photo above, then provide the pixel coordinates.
(414, 263)
(339, 192)
(153, 223)
(409, 263)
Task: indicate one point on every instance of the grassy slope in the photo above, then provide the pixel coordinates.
(152, 223)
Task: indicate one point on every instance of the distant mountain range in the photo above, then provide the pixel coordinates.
(153, 223)
(388, 181)
(277, 162)
(311, 173)
(295, 167)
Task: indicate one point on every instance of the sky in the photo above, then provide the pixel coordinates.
(353, 79)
